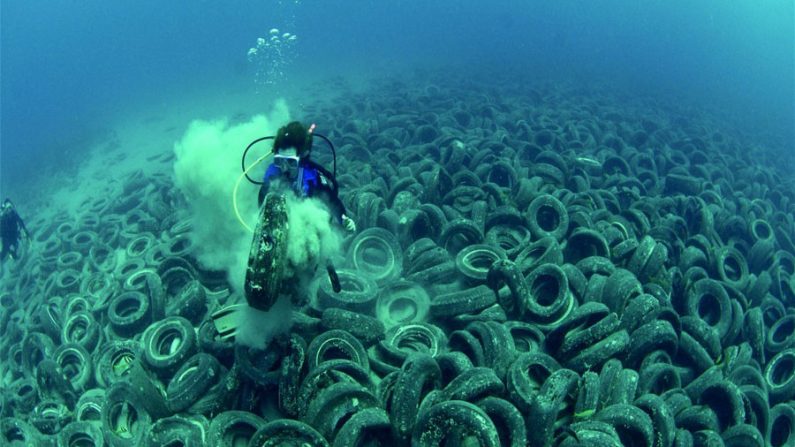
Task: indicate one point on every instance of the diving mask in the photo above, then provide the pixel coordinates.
(287, 164)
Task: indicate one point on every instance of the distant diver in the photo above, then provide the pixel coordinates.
(12, 229)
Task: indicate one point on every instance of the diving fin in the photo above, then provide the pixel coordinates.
(226, 320)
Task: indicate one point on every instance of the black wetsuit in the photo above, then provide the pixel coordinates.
(11, 228)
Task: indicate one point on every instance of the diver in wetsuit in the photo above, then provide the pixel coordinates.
(11, 231)
(292, 147)
(293, 170)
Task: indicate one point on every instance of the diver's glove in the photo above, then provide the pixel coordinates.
(348, 223)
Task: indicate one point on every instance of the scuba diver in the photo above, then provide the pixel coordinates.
(292, 147)
(11, 230)
(269, 273)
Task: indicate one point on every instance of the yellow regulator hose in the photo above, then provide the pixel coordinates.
(237, 185)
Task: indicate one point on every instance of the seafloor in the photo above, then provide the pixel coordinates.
(535, 264)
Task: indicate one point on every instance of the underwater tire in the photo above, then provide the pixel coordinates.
(268, 253)
(81, 434)
(124, 418)
(585, 242)
(177, 430)
(782, 425)
(339, 344)
(358, 292)
(781, 335)
(547, 217)
(209, 341)
(403, 302)
(81, 328)
(464, 301)
(473, 384)
(89, 406)
(258, 366)
(507, 420)
(633, 425)
(334, 405)
(367, 329)
(168, 343)
(369, 426)
(191, 302)
(129, 313)
(191, 381)
(383, 242)
(49, 417)
(77, 365)
(780, 376)
(419, 375)
(326, 374)
(114, 359)
(232, 428)
(445, 418)
(406, 340)
(546, 250)
(458, 234)
(287, 432)
(473, 262)
(17, 431)
(526, 376)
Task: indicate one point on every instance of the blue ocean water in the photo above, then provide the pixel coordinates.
(70, 68)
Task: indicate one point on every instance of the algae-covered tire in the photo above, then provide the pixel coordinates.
(192, 380)
(367, 329)
(369, 426)
(630, 422)
(50, 416)
(336, 344)
(124, 418)
(336, 404)
(782, 425)
(507, 419)
(89, 406)
(283, 432)
(76, 363)
(419, 375)
(168, 343)
(546, 216)
(53, 384)
(268, 254)
(376, 254)
(113, 360)
(177, 431)
(81, 434)
(474, 384)
(780, 376)
(358, 293)
(233, 428)
(18, 432)
(129, 313)
(454, 420)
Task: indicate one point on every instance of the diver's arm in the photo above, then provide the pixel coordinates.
(23, 227)
(328, 186)
(336, 206)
